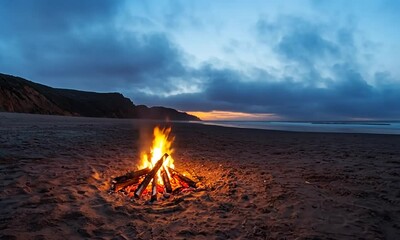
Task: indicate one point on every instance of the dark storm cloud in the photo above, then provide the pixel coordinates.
(43, 17)
(345, 94)
(108, 61)
(79, 42)
(351, 98)
(305, 42)
(305, 47)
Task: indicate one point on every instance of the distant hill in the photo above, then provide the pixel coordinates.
(20, 95)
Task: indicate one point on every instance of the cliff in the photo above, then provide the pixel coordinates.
(20, 95)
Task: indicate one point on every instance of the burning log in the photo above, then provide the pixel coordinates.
(154, 189)
(122, 185)
(165, 179)
(183, 178)
(129, 179)
(150, 176)
(131, 175)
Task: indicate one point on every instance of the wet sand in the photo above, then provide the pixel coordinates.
(55, 174)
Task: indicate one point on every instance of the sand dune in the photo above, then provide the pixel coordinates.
(55, 174)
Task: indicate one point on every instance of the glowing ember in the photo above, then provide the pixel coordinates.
(162, 143)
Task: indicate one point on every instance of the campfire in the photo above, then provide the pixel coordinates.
(157, 167)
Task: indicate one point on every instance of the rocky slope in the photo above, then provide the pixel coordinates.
(20, 95)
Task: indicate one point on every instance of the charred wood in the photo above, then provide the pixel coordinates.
(131, 175)
(154, 189)
(183, 178)
(128, 179)
(122, 185)
(150, 176)
(165, 179)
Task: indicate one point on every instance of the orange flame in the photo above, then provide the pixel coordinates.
(162, 143)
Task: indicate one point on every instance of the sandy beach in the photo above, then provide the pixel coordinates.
(55, 175)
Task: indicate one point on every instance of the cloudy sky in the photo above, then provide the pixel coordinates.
(286, 60)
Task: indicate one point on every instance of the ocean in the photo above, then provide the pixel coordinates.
(375, 127)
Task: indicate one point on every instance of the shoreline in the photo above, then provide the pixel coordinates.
(348, 128)
(4, 115)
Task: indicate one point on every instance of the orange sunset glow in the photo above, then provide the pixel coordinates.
(240, 116)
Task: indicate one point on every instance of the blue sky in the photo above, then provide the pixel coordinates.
(288, 60)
